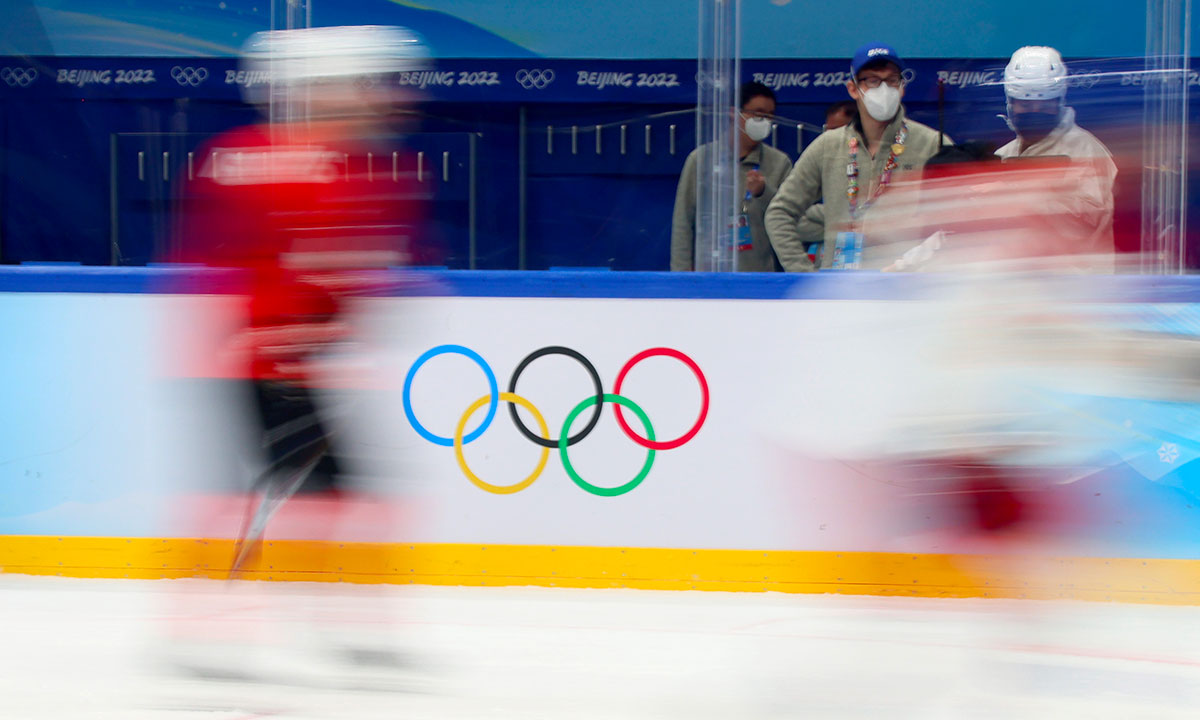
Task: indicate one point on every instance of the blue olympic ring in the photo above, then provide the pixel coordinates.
(493, 393)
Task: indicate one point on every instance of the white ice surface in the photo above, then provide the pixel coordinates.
(118, 650)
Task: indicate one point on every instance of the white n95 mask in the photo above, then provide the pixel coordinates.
(757, 129)
(882, 102)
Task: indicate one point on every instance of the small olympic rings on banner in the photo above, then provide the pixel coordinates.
(18, 76)
(543, 439)
(535, 79)
(189, 75)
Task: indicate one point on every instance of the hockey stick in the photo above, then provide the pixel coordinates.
(275, 493)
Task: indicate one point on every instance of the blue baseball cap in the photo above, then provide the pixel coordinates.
(873, 52)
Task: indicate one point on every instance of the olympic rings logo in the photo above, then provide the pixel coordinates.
(534, 79)
(565, 439)
(1085, 80)
(189, 75)
(908, 76)
(18, 77)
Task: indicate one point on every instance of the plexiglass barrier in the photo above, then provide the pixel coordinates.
(1165, 135)
(718, 79)
(575, 154)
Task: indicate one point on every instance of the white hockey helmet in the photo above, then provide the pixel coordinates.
(1035, 73)
(317, 55)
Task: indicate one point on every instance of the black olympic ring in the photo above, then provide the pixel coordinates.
(587, 365)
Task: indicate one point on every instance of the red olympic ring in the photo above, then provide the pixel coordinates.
(667, 444)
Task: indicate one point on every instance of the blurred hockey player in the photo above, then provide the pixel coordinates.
(299, 208)
(303, 214)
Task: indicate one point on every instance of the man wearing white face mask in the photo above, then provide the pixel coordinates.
(763, 170)
(851, 166)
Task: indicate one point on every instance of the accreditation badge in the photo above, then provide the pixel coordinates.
(847, 251)
(745, 241)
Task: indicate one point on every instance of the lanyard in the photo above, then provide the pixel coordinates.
(884, 179)
(745, 240)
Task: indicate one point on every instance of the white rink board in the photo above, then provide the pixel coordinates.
(100, 412)
(104, 437)
(729, 487)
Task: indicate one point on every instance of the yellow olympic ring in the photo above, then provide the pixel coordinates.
(462, 461)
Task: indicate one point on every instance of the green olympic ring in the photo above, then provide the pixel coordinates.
(563, 439)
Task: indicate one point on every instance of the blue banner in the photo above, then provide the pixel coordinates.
(537, 80)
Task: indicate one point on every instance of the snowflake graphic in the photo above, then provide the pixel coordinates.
(1168, 453)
